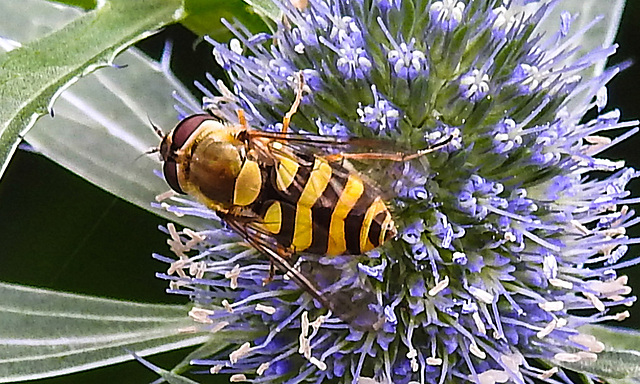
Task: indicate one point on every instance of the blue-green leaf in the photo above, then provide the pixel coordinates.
(603, 33)
(213, 346)
(593, 26)
(34, 74)
(598, 35)
(47, 333)
(84, 136)
(102, 129)
(620, 360)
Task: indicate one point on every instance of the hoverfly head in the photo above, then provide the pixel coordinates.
(201, 153)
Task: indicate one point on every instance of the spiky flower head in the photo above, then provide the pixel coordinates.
(510, 236)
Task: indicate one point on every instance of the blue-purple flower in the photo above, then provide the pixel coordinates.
(508, 239)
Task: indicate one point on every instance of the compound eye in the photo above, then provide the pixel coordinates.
(170, 170)
(183, 131)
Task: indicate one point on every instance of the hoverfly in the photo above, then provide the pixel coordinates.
(286, 194)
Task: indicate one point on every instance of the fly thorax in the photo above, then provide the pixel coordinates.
(213, 169)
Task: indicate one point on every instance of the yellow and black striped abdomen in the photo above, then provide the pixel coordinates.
(318, 207)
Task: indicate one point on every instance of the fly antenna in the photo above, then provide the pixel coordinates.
(159, 133)
(149, 151)
(155, 128)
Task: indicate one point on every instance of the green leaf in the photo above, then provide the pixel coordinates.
(618, 361)
(268, 9)
(33, 75)
(84, 4)
(614, 338)
(205, 15)
(622, 381)
(47, 333)
(610, 365)
(169, 376)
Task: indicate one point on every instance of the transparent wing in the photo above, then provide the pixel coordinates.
(320, 145)
(335, 282)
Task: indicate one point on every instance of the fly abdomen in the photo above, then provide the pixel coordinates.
(324, 209)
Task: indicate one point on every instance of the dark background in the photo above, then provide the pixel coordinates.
(58, 231)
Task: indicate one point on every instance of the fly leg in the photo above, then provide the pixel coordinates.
(242, 119)
(284, 259)
(272, 273)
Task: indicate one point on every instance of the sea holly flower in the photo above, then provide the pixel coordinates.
(509, 241)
